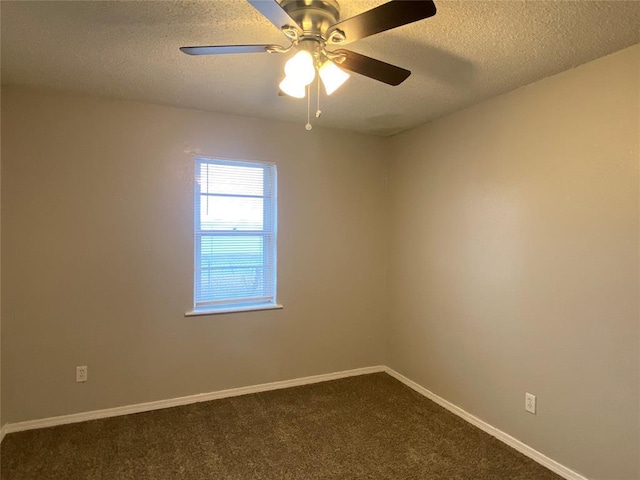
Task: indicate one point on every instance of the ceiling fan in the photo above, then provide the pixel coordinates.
(311, 26)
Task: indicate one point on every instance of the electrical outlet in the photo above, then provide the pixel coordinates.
(530, 403)
(82, 374)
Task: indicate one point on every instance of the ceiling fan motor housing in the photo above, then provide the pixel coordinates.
(314, 16)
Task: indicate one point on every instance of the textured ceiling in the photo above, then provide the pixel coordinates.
(470, 51)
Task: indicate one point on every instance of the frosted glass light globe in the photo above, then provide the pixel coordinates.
(292, 88)
(332, 76)
(300, 68)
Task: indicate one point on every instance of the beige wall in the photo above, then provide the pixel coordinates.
(1, 422)
(514, 263)
(97, 251)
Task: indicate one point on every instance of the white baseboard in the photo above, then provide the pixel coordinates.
(176, 402)
(542, 459)
(523, 448)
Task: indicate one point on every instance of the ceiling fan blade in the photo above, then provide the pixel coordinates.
(385, 17)
(372, 68)
(275, 13)
(224, 49)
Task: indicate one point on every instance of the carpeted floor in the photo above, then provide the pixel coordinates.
(366, 427)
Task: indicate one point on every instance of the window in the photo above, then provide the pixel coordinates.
(235, 236)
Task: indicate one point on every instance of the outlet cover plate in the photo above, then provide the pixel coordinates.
(82, 374)
(530, 403)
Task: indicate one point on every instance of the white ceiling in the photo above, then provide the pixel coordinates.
(470, 51)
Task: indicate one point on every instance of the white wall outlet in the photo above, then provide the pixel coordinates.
(82, 373)
(530, 403)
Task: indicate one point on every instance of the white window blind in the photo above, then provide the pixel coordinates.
(235, 235)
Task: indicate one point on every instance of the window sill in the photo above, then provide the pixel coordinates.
(221, 311)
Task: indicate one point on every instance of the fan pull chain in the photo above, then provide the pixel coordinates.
(318, 111)
(308, 125)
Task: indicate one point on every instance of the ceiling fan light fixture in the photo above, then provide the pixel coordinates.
(332, 76)
(311, 25)
(293, 88)
(300, 68)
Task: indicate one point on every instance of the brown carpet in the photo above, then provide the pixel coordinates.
(366, 427)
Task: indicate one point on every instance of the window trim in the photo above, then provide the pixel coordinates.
(256, 308)
(273, 207)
